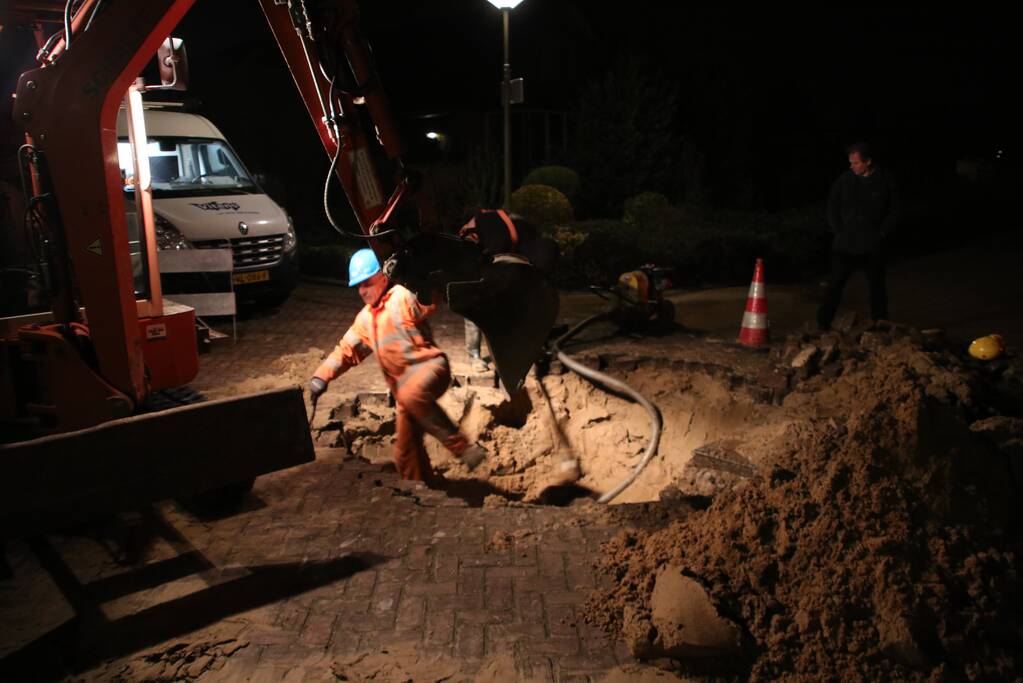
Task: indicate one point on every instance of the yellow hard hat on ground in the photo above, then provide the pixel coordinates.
(987, 348)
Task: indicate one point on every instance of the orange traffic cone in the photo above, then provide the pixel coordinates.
(754, 320)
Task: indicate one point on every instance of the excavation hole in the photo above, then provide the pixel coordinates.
(714, 433)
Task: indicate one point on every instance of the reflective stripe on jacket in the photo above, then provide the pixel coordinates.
(395, 329)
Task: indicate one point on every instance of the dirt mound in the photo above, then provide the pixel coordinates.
(293, 369)
(877, 543)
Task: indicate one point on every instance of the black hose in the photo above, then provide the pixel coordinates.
(330, 176)
(621, 387)
(67, 25)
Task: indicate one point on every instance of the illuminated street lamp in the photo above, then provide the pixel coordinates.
(511, 93)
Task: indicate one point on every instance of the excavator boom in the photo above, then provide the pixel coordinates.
(80, 378)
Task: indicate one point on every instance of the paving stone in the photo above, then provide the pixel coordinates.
(499, 593)
(529, 606)
(561, 620)
(438, 588)
(499, 636)
(317, 630)
(562, 646)
(471, 580)
(385, 598)
(469, 640)
(440, 625)
(411, 611)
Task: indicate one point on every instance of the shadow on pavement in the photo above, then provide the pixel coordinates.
(474, 491)
(91, 637)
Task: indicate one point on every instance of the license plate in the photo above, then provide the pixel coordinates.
(247, 278)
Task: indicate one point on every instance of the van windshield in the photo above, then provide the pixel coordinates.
(188, 167)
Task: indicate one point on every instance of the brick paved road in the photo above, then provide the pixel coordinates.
(337, 557)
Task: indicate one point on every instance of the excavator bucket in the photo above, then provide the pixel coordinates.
(124, 464)
(514, 304)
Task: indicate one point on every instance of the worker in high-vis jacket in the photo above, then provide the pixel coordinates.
(393, 325)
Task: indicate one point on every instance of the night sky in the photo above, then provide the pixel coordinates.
(778, 91)
(791, 88)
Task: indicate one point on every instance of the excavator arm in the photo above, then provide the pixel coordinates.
(514, 304)
(104, 349)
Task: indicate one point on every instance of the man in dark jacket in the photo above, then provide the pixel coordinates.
(863, 209)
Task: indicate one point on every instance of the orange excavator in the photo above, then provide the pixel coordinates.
(74, 382)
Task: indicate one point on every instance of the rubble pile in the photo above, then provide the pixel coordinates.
(878, 539)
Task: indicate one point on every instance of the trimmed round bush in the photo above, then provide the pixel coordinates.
(542, 204)
(561, 178)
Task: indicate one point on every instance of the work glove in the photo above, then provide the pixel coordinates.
(316, 388)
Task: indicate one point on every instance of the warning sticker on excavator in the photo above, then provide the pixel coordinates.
(365, 180)
(156, 331)
(95, 247)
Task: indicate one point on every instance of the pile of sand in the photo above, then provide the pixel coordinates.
(290, 370)
(878, 543)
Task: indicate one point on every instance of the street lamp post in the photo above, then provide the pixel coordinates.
(511, 93)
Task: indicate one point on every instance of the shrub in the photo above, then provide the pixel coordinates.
(704, 247)
(568, 239)
(561, 178)
(542, 204)
(645, 206)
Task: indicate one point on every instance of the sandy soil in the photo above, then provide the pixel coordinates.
(878, 542)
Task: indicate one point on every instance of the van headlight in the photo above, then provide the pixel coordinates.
(290, 240)
(167, 236)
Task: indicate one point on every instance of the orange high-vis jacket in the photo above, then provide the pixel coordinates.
(396, 329)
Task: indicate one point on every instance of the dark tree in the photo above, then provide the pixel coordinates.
(624, 141)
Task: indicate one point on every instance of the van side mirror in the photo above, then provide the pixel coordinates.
(173, 64)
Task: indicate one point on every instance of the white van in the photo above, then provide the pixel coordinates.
(203, 198)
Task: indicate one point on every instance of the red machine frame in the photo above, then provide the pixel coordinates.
(94, 371)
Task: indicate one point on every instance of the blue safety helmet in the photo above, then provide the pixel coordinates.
(363, 266)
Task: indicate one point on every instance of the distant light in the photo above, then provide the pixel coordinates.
(358, 99)
(433, 135)
(505, 4)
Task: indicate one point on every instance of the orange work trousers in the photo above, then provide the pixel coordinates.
(415, 395)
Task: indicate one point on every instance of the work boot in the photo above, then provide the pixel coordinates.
(566, 472)
(473, 456)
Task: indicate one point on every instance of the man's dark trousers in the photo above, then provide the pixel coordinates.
(842, 266)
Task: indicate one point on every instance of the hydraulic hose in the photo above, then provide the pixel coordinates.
(621, 387)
